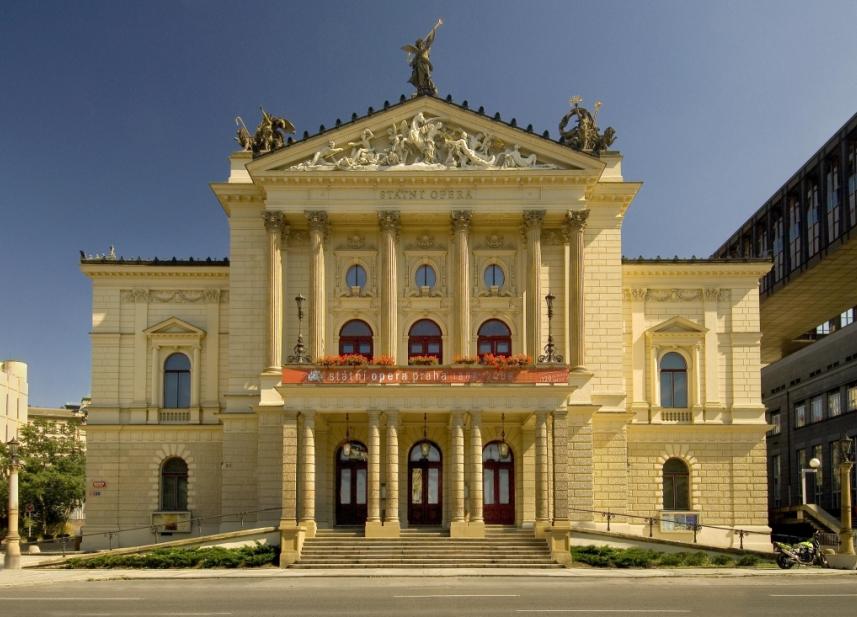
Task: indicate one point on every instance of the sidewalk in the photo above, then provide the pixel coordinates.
(15, 578)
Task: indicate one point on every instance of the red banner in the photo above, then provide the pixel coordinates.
(442, 375)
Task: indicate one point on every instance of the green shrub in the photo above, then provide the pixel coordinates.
(696, 559)
(212, 557)
(722, 560)
(671, 559)
(748, 560)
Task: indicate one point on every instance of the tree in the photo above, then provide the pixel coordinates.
(52, 473)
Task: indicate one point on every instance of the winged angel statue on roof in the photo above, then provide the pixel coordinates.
(421, 66)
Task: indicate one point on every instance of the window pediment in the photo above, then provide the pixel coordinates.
(175, 331)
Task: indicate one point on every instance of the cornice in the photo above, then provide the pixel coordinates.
(148, 271)
(671, 269)
(470, 178)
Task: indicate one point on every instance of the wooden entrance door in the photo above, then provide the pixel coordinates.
(498, 484)
(351, 484)
(425, 484)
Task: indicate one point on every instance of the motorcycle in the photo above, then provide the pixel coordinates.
(806, 553)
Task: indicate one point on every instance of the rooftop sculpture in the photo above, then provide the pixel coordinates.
(585, 136)
(421, 66)
(270, 133)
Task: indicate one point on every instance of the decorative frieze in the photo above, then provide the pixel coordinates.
(174, 296)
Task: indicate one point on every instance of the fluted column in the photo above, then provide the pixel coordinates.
(274, 226)
(373, 514)
(560, 467)
(541, 470)
(392, 516)
(461, 231)
(476, 467)
(533, 220)
(388, 220)
(307, 474)
(576, 220)
(457, 430)
(317, 232)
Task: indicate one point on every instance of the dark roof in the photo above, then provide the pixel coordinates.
(155, 261)
(694, 260)
(464, 105)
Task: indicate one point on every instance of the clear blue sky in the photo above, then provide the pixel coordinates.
(116, 115)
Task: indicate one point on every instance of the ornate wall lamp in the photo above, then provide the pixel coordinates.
(504, 447)
(425, 446)
(550, 356)
(346, 449)
(300, 356)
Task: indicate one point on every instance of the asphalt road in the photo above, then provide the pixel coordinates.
(803, 596)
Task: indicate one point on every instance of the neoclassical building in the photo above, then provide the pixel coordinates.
(426, 319)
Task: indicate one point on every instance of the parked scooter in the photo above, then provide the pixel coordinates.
(806, 553)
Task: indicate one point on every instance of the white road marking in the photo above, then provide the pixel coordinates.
(813, 595)
(600, 610)
(151, 614)
(71, 599)
(466, 595)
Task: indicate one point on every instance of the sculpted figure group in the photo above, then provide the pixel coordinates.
(423, 142)
(585, 136)
(270, 134)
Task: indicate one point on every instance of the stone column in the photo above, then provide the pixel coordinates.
(274, 227)
(373, 505)
(461, 230)
(391, 521)
(846, 534)
(458, 526)
(560, 467)
(388, 220)
(477, 524)
(542, 521)
(307, 518)
(291, 536)
(317, 232)
(576, 221)
(533, 220)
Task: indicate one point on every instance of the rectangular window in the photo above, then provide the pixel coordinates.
(800, 414)
(487, 487)
(832, 204)
(776, 419)
(834, 403)
(813, 224)
(778, 248)
(360, 485)
(776, 479)
(818, 487)
(852, 183)
(823, 329)
(852, 397)
(795, 257)
(816, 409)
(846, 318)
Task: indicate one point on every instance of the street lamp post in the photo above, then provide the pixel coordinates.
(300, 356)
(846, 534)
(12, 560)
(550, 356)
(814, 464)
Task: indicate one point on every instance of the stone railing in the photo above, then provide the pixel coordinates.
(676, 416)
(173, 416)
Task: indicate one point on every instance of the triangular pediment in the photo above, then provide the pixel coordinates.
(424, 134)
(678, 325)
(174, 326)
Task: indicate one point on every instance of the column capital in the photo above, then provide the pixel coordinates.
(576, 220)
(461, 220)
(475, 417)
(317, 220)
(392, 417)
(389, 221)
(308, 415)
(374, 416)
(533, 219)
(456, 418)
(285, 232)
(273, 221)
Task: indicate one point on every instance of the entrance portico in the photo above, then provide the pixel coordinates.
(436, 460)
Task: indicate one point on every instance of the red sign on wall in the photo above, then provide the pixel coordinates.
(435, 375)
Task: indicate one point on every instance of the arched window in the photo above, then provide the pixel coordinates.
(673, 381)
(426, 276)
(355, 337)
(494, 276)
(177, 381)
(425, 339)
(494, 337)
(356, 277)
(174, 485)
(676, 485)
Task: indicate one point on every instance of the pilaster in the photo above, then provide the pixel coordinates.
(533, 220)
(318, 228)
(273, 229)
(576, 221)
(542, 520)
(461, 231)
(388, 220)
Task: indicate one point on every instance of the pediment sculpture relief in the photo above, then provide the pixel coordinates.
(423, 143)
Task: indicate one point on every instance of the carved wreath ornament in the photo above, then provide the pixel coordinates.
(424, 143)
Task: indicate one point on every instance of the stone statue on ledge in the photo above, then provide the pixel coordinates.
(585, 136)
(421, 66)
(270, 134)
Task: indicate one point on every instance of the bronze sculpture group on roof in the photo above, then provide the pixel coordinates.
(462, 150)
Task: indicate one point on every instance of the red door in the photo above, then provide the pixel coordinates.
(351, 484)
(498, 484)
(425, 485)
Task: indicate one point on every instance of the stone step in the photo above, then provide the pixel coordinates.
(413, 565)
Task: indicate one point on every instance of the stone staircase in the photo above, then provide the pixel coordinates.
(426, 547)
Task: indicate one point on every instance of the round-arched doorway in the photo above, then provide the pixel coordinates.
(498, 484)
(351, 479)
(425, 490)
